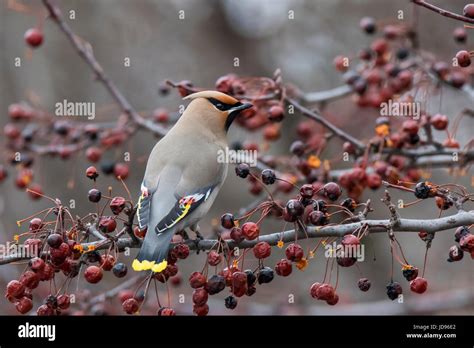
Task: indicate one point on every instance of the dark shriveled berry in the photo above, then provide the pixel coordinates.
(394, 290)
(294, 208)
(268, 176)
(120, 270)
(94, 195)
(227, 221)
(364, 284)
(215, 284)
(349, 204)
(242, 170)
(251, 278)
(410, 272)
(230, 302)
(422, 190)
(265, 275)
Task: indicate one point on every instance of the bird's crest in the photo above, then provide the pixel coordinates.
(222, 97)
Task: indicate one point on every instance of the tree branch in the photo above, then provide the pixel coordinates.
(325, 123)
(443, 12)
(462, 218)
(85, 51)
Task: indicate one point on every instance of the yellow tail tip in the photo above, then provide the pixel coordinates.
(160, 266)
(144, 265)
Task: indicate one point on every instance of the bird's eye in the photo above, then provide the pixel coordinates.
(219, 105)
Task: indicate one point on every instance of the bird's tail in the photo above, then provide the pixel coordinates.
(154, 252)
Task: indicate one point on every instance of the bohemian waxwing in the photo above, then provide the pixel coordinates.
(183, 175)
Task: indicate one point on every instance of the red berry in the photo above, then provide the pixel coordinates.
(160, 115)
(93, 274)
(374, 181)
(64, 301)
(117, 204)
(341, 63)
(463, 58)
(166, 312)
(262, 250)
(197, 280)
(121, 170)
(307, 191)
(15, 289)
(350, 239)
(439, 121)
(214, 258)
(181, 251)
(455, 253)
(30, 279)
(325, 292)
(45, 310)
(466, 243)
(379, 46)
(410, 126)
(460, 34)
(294, 252)
(283, 268)
(468, 11)
(200, 296)
(139, 233)
(34, 37)
(36, 264)
(107, 224)
(11, 131)
(36, 224)
(107, 262)
(24, 305)
(276, 113)
(313, 290)
(390, 32)
(333, 301)
(224, 83)
(250, 230)
(93, 154)
(419, 285)
(236, 234)
(201, 311)
(92, 173)
(47, 273)
(124, 295)
(130, 306)
(332, 191)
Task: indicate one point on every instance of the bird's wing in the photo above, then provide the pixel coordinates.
(183, 207)
(173, 201)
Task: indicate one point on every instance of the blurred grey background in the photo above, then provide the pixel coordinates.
(202, 48)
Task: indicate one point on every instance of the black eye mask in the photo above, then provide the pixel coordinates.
(222, 106)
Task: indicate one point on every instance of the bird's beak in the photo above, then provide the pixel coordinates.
(240, 107)
(234, 112)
